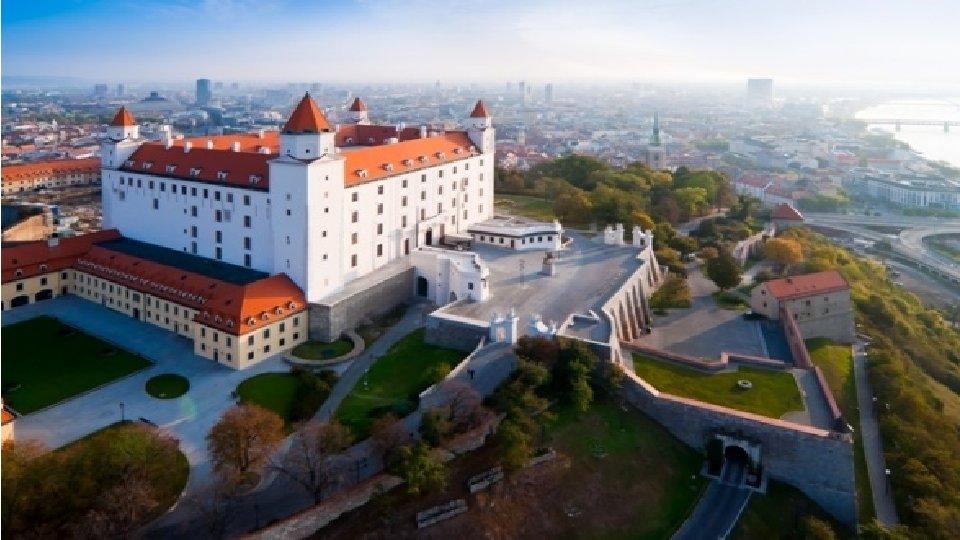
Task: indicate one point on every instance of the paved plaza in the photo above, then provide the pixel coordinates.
(588, 272)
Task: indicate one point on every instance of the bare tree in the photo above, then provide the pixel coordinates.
(243, 438)
(315, 460)
(20, 471)
(463, 404)
(388, 434)
(214, 509)
(119, 510)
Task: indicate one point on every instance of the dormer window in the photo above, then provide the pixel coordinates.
(473, 149)
(43, 268)
(441, 155)
(292, 305)
(458, 150)
(423, 159)
(265, 316)
(362, 173)
(388, 166)
(171, 168)
(128, 163)
(18, 272)
(222, 175)
(408, 162)
(229, 323)
(147, 164)
(251, 321)
(349, 140)
(278, 310)
(195, 171)
(254, 179)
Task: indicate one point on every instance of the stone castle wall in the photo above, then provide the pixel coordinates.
(817, 462)
(455, 332)
(329, 320)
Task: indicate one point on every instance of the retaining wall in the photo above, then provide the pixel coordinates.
(816, 461)
(455, 332)
(329, 320)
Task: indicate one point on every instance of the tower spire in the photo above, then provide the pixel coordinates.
(655, 136)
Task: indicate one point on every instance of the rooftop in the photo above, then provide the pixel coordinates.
(807, 285)
(218, 270)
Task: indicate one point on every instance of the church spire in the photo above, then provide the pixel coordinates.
(655, 136)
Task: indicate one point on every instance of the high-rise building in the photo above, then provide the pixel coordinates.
(760, 91)
(100, 90)
(522, 87)
(121, 90)
(548, 93)
(204, 92)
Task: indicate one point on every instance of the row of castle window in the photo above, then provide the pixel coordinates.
(194, 192)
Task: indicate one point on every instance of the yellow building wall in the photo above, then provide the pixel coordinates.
(245, 350)
(58, 283)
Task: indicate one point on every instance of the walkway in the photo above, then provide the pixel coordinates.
(719, 508)
(281, 497)
(872, 449)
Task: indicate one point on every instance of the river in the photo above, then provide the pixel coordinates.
(931, 141)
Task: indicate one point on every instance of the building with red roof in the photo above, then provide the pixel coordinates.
(50, 174)
(784, 216)
(819, 303)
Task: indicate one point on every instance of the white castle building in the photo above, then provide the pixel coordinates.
(325, 205)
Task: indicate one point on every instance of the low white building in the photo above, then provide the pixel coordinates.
(444, 275)
(518, 234)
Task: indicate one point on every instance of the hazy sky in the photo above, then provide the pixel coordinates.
(905, 42)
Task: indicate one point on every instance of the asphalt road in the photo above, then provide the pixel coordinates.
(718, 509)
(872, 446)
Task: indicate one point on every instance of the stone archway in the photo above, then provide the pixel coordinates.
(423, 286)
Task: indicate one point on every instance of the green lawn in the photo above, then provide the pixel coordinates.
(774, 393)
(621, 454)
(394, 382)
(167, 386)
(276, 392)
(730, 300)
(319, 350)
(525, 205)
(836, 362)
(780, 514)
(46, 361)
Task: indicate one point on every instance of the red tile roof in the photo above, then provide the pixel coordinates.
(306, 118)
(35, 258)
(480, 110)
(218, 166)
(235, 309)
(787, 212)
(123, 118)
(44, 169)
(372, 135)
(365, 164)
(358, 105)
(7, 416)
(801, 286)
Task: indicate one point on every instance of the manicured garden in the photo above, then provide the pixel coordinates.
(773, 393)
(294, 396)
(167, 386)
(395, 381)
(836, 362)
(46, 361)
(319, 350)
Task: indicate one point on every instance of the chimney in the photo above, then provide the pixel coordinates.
(423, 132)
(209, 144)
(260, 134)
(53, 241)
(168, 143)
(264, 149)
(235, 146)
(187, 146)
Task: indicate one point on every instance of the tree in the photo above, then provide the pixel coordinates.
(783, 251)
(539, 349)
(421, 468)
(388, 434)
(212, 509)
(434, 425)
(573, 206)
(315, 459)
(708, 253)
(642, 219)
(22, 474)
(724, 270)
(817, 529)
(243, 438)
(462, 404)
(515, 446)
(119, 509)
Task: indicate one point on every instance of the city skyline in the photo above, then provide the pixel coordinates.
(854, 43)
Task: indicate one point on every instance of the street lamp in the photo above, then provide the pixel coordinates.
(888, 480)
(122, 418)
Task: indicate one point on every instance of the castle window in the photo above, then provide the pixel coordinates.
(353, 238)
(354, 197)
(353, 261)
(379, 208)
(403, 201)
(379, 250)
(355, 217)
(379, 190)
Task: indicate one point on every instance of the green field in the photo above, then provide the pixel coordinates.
(394, 382)
(46, 362)
(526, 206)
(774, 393)
(780, 514)
(616, 447)
(279, 392)
(836, 362)
(319, 350)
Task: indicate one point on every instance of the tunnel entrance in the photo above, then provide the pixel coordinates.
(735, 461)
